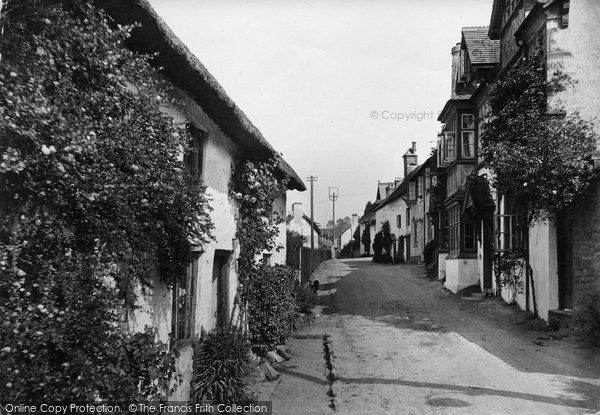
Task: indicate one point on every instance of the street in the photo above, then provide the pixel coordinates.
(399, 343)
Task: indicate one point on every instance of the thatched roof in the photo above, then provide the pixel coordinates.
(185, 71)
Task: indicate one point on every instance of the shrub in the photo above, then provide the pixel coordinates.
(306, 298)
(348, 250)
(220, 364)
(366, 239)
(586, 319)
(91, 176)
(377, 247)
(428, 252)
(399, 258)
(270, 293)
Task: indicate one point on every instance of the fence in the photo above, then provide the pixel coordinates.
(306, 260)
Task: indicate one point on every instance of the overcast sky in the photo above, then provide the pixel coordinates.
(324, 79)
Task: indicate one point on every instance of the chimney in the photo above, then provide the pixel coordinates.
(354, 223)
(410, 159)
(455, 69)
(297, 212)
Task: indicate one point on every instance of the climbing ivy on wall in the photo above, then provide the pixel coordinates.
(94, 198)
(540, 161)
(265, 293)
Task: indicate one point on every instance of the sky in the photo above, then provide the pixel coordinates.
(341, 88)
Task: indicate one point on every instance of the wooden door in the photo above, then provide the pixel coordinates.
(221, 280)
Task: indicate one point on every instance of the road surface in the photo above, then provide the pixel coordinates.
(398, 343)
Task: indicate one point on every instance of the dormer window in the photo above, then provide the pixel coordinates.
(194, 156)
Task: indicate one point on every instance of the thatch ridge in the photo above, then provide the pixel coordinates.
(186, 71)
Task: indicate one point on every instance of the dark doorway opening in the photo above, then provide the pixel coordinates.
(564, 233)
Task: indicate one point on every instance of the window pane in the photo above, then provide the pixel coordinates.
(468, 121)
(468, 144)
(450, 146)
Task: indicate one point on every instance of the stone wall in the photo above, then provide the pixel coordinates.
(586, 248)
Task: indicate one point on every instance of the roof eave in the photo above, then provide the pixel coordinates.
(185, 71)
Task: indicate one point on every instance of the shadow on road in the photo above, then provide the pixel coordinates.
(401, 296)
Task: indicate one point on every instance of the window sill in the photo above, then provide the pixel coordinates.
(462, 255)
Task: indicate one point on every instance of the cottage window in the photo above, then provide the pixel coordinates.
(509, 233)
(420, 186)
(399, 221)
(412, 191)
(454, 228)
(407, 217)
(445, 230)
(427, 178)
(451, 183)
(468, 122)
(469, 236)
(450, 148)
(468, 144)
(184, 300)
(194, 156)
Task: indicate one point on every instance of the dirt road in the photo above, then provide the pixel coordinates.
(401, 344)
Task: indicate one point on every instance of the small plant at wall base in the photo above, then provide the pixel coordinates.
(509, 269)
(540, 161)
(306, 298)
(220, 364)
(90, 177)
(266, 294)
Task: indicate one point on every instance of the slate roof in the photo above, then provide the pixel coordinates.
(403, 186)
(368, 216)
(289, 218)
(186, 71)
(482, 50)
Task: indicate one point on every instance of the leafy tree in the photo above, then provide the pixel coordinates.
(356, 238)
(378, 247)
(94, 198)
(386, 241)
(368, 207)
(540, 161)
(366, 239)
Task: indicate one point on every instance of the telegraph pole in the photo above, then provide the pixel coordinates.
(334, 194)
(311, 179)
(2, 17)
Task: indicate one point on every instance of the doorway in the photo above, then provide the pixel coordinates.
(220, 281)
(564, 234)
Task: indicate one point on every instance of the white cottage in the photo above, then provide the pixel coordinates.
(222, 135)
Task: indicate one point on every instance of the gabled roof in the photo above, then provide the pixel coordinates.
(341, 228)
(289, 218)
(458, 99)
(381, 190)
(185, 71)
(370, 215)
(482, 50)
(402, 188)
(478, 199)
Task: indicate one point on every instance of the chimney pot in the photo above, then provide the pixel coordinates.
(297, 212)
